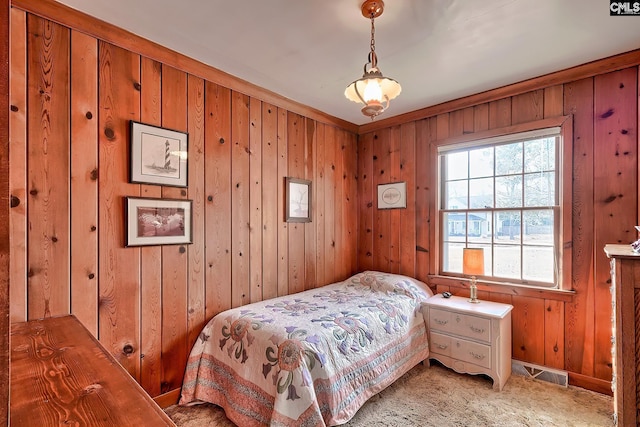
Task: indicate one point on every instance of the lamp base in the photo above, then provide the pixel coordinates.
(473, 291)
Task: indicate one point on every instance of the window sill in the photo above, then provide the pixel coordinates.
(503, 288)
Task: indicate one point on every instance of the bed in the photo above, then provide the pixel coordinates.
(311, 358)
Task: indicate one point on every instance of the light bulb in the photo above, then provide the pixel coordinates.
(373, 91)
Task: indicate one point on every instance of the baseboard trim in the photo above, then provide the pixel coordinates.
(167, 399)
(590, 383)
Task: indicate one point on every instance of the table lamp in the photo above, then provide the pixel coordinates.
(472, 265)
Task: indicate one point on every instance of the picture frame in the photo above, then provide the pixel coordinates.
(392, 195)
(297, 200)
(152, 221)
(158, 155)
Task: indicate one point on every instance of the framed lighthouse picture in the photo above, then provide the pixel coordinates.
(158, 155)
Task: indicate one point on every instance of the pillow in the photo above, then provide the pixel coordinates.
(392, 284)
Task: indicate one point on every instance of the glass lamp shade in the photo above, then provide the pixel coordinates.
(372, 90)
(473, 261)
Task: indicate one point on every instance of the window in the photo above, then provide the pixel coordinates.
(503, 194)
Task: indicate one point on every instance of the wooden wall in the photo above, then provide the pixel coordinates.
(570, 332)
(4, 212)
(72, 97)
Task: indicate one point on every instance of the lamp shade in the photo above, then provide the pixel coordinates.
(374, 91)
(473, 261)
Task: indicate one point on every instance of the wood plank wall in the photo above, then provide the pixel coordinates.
(574, 333)
(75, 95)
(4, 213)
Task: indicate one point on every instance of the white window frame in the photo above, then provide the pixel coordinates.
(562, 232)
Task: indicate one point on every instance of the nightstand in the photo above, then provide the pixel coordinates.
(470, 338)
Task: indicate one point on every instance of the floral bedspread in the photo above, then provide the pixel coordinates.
(311, 358)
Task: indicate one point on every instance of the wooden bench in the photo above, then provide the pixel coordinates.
(62, 375)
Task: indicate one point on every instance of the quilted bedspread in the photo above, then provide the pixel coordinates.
(312, 358)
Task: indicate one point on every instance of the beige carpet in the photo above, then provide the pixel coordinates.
(437, 396)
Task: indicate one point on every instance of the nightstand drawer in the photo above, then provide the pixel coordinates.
(440, 344)
(477, 328)
(471, 352)
(441, 320)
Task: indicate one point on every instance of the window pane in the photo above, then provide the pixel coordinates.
(456, 195)
(507, 228)
(481, 162)
(509, 191)
(457, 166)
(456, 226)
(540, 155)
(538, 263)
(481, 193)
(488, 260)
(479, 227)
(539, 189)
(506, 262)
(452, 257)
(538, 227)
(509, 159)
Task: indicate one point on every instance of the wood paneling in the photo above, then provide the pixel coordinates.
(366, 201)
(48, 165)
(119, 275)
(84, 180)
(283, 229)
(147, 305)
(18, 172)
(310, 229)
(615, 188)
(217, 176)
(5, 232)
(350, 204)
(579, 339)
(270, 202)
(240, 188)
(196, 291)
(295, 158)
(422, 198)
(255, 200)
(407, 262)
(319, 183)
(151, 256)
(329, 199)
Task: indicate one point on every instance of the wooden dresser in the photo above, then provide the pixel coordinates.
(625, 291)
(470, 338)
(61, 375)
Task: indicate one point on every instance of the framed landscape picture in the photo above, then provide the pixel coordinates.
(298, 200)
(152, 221)
(158, 155)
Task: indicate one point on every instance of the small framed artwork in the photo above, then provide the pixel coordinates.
(152, 221)
(158, 155)
(298, 200)
(392, 196)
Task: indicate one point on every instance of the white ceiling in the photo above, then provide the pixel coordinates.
(438, 50)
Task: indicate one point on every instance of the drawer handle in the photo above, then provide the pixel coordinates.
(441, 346)
(477, 356)
(476, 330)
(441, 322)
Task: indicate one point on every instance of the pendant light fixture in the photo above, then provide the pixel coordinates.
(373, 89)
